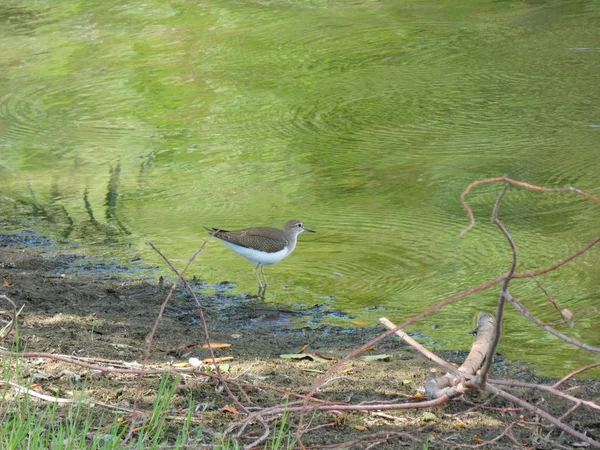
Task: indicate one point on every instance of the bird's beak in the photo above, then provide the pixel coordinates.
(309, 230)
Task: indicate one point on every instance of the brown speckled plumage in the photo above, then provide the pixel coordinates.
(265, 239)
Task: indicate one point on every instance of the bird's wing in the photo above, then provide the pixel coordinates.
(251, 239)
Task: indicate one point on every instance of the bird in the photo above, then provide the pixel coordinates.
(262, 245)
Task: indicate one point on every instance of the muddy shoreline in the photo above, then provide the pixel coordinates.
(95, 311)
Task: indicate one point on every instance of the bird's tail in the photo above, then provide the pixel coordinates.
(214, 231)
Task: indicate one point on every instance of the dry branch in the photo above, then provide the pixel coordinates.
(410, 341)
(59, 400)
(456, 381)
(575, 372)
(551, 389)
(510, 181)
(13, 321)
(543, 414)
(519, 307)
(500, 309)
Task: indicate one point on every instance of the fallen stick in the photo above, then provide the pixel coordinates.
(60, 400)
(456, 381)
(541, 413)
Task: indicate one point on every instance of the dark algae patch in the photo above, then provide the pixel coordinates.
(104, 313)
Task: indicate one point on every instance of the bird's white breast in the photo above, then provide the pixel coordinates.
(258, 257)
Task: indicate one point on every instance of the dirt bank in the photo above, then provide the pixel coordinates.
(92, 310)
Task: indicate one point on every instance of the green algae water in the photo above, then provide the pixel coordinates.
(128, 122)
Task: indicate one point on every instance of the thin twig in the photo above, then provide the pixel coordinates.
(573, 408)
(576, 372)
(543, 387)
(263, 437)
(205, 329)
(410, 341)
(523, 310)
(533, 187)
(150, 339)
(225, 385)
(60, 400)
(298, 407)
(549, 297)
(378, 438)
(485, 406)
(482, 444)
(569, 258)
(543, 414)
(500, 310)
(13, 320)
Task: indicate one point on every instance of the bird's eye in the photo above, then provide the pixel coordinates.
(299, 225)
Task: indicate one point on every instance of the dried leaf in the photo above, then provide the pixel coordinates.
(318, 358)
(359, 323)
(417, 395)
(304, 347)
(217, 360)
(313, 370)
(459, 425)
(476, 440)
(371, 358)
(229, 409)
(369, 349)
(360, 428)
(5, 283)
(327, 358)
(181, 364)
(216, 345)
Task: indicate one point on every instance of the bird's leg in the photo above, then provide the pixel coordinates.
(257, 277)
(262, 272)
(264, 284)
(261, 287)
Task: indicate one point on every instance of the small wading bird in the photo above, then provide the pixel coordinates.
(262, 245)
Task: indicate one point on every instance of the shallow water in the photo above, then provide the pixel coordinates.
(128, 122)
